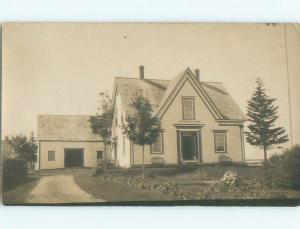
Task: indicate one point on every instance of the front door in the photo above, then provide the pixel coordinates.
(73, 157)
(189, 146)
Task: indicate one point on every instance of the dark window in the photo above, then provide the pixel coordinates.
(188, 108)
(158, 145)
(51, 155)
(124, 139)
(220, 142)
(100, 155)
(116, 116)
(189, 145)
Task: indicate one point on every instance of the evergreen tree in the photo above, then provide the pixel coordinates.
(262, 116)
(141, 126)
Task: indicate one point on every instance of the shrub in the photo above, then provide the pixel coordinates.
(230, 178)
(97, 171)
(14, 172)
(225, 160)
(284, 170)
(230, 186)
(151, 175)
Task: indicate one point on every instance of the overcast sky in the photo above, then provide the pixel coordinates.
(53, 68)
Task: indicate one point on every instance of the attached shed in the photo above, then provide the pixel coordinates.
(67, 141)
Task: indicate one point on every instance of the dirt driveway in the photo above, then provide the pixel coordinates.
(59, 189)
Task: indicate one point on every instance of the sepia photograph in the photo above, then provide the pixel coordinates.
(150, 114)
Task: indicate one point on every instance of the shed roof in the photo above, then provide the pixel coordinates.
(65, 128)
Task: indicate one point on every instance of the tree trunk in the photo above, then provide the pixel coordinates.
(265, 155)
(143, 166)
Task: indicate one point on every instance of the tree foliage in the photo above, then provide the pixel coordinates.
(283, 170)
(262, 115)
(102, 121)
(141, 126)
(23, 148)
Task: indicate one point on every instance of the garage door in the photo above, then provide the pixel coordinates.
(74, 158)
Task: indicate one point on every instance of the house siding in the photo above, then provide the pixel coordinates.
(123, 159)
(89, 148)
(203, 115)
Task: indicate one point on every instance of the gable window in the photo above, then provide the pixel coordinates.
(157, 146)
(188, 108)
(51, 155)
(220, 142)
(100, 155)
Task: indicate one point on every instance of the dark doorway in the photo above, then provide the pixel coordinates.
(73, 157)
(189, 146)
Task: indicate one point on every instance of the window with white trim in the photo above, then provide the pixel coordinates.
(188, 108)
(51, 155)
(220, 142)
(124, 139)
(156, 147)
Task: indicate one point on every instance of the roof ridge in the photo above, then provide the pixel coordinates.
(211, 82)
(118, 77)
(62, 115)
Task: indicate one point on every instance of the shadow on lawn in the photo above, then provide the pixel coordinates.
(17, 193)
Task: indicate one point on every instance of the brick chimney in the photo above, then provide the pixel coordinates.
(142, 74)
(197, 74)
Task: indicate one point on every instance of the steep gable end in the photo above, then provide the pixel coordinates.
(161, 92)
(175, 86)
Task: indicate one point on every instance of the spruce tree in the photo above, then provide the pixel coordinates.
(262, 115)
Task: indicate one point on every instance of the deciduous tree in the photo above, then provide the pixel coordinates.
(102, 121)
(24, 148)
(141, 126)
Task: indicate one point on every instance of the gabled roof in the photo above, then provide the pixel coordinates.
(160, 91)
(171, 86)
(153, 89)
(65, 128)
(223, 101)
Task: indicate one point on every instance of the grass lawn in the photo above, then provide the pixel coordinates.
(114, 185)
(113, 191)
(197, 182)
(17, 195)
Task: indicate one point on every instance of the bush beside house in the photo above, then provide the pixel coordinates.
(14, 172)
(284, 170)
(19, 154)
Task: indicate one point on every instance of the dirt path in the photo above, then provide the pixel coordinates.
(59, 189)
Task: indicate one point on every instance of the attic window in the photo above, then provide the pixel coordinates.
(188, 108)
